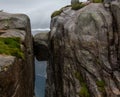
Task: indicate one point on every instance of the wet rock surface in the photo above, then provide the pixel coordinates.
(84, 53)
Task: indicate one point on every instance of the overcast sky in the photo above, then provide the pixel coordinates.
(39, 11)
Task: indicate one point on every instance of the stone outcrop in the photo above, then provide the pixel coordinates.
(17, 74)
(85, 52)
(41, 46)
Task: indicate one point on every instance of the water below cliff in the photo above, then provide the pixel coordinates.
(40, 78)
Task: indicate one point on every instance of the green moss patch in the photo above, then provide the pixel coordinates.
(79, 77)
(56, 13)
(11, 46)
(97, 1)
(77, 6)
(101, 85)
(84, 90)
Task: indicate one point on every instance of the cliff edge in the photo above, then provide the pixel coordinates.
(85, 52)
(16, 56)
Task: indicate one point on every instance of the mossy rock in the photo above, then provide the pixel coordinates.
(56, 13)
(97, 1)
(77, 6)
(79, 77)
(84, 92)
(101, 85)
(11, 46)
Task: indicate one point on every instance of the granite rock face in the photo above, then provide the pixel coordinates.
(84, 53)
(41, 46)
(17, 74)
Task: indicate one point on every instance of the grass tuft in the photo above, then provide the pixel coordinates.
(77, 6)
(11, 46)
(101, 85)
(56, 13)
(84, 90)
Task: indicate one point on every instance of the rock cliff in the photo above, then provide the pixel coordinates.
(16, 56)
(85, 52)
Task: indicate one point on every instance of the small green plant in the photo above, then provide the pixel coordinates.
(84, 90)
(56, 13)
(77, 6)
(97, 1)
(78, 76)
(11, 46)
(101, 85)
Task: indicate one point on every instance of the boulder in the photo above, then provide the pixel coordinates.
(41, 46)
(13, 21)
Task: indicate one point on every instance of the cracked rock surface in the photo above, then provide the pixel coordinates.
(85, 53)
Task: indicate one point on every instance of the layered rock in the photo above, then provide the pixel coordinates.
(17, 73)
(84, 53)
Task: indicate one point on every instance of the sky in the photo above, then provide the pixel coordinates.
(39, 11)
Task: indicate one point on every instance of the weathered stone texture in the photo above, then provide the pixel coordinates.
(84, 53)
(17, 74)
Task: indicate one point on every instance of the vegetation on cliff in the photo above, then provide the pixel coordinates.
(101, 85)
(84, 90)
(97, 1)
(11, 46)
(56, 13)
(77, 6)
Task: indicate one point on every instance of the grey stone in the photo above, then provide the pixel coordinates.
(11, 21)
(41, 48)
(83, 46)
(17, 74)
